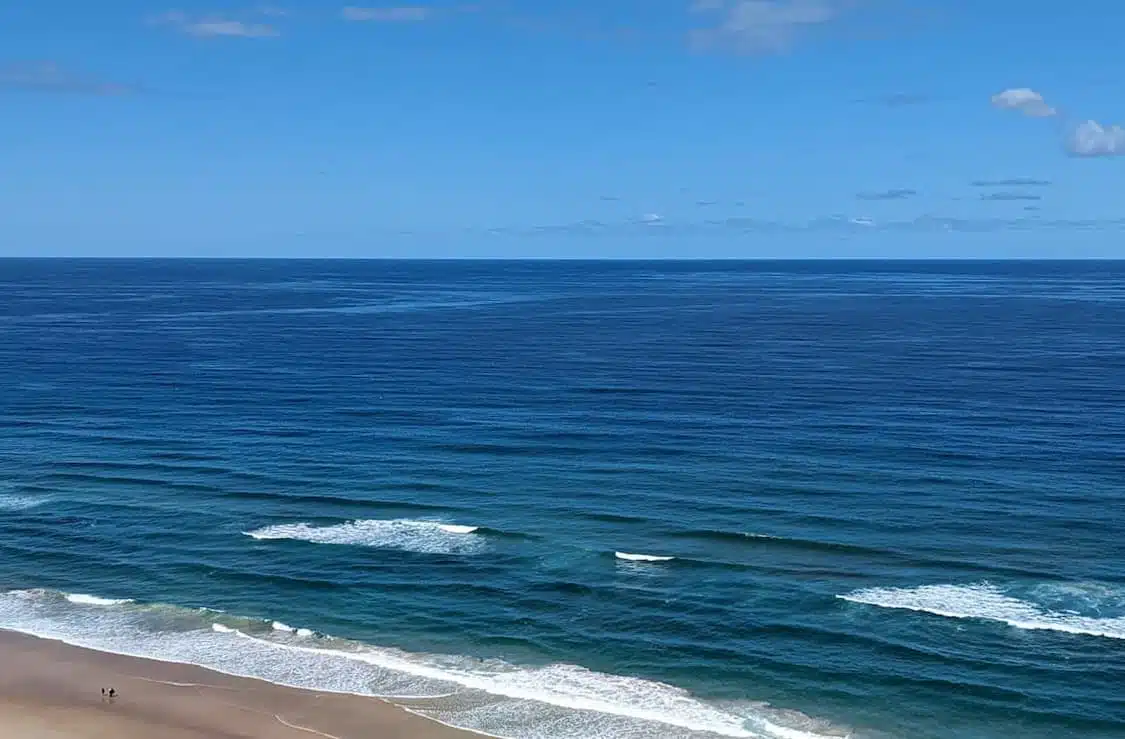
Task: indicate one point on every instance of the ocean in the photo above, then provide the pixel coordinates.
(585, 500)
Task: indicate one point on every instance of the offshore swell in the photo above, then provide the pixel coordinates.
(584, 500)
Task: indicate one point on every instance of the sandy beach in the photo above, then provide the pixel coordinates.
(50, 690)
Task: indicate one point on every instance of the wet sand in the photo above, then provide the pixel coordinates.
(49, 690)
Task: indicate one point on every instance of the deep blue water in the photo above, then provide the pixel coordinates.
(893, 492)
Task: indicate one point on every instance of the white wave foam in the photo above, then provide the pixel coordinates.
(495, 698)
(990, 603)
(430, 537)
(93, 600)
(594, 696)
(283, 628)
(641, 557)
(13, 502)
(1080, 598)
(789, 724)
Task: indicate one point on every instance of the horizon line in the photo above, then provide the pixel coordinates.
(4, 258)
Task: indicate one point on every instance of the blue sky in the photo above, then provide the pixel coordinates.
(608, 128)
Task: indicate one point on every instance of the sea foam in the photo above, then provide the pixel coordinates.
(14, 502)
(988, 602)
(430, 537)
(493, 697)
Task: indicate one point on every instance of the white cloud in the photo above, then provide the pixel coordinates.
(1091, 139)
(1024, 100)
(1088, 139)
(761, 25)
(213, 26)
(50, 77)
(231, 28)
(402, 14)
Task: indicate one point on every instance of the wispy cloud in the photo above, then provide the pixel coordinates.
(760, 26)
(216, 26)
(50, 77)
(842, 224)
(900, 99)
(1024, 100)
(901, 193)
(1009, 196)
(1091, 139)
(401, 14)
(1012, 182)
(587, 226)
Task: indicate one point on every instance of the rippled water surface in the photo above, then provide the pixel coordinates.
(585, 500)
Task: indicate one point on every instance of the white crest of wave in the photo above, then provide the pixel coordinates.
(987, 602)
(431, 537)
(21, 502)
(491, 697)
(452, 528)
(641, 557)
(93, 600)
(287, 629)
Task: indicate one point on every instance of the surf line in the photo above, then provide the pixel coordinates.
(303, 728)
(276, 716)
(179, 685)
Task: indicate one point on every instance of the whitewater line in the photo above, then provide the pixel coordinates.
(178, 685)
(303, 728)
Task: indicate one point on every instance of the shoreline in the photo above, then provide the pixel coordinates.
(51, 689)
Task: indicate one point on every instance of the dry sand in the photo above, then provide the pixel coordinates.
(49, 690)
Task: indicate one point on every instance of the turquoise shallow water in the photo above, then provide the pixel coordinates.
(585, 500)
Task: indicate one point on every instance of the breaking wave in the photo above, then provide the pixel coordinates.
(493, 697)
(641, 557)
(93, 600)
(430, 537)
(1031, 609)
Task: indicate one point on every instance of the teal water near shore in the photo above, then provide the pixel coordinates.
(585, 500)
